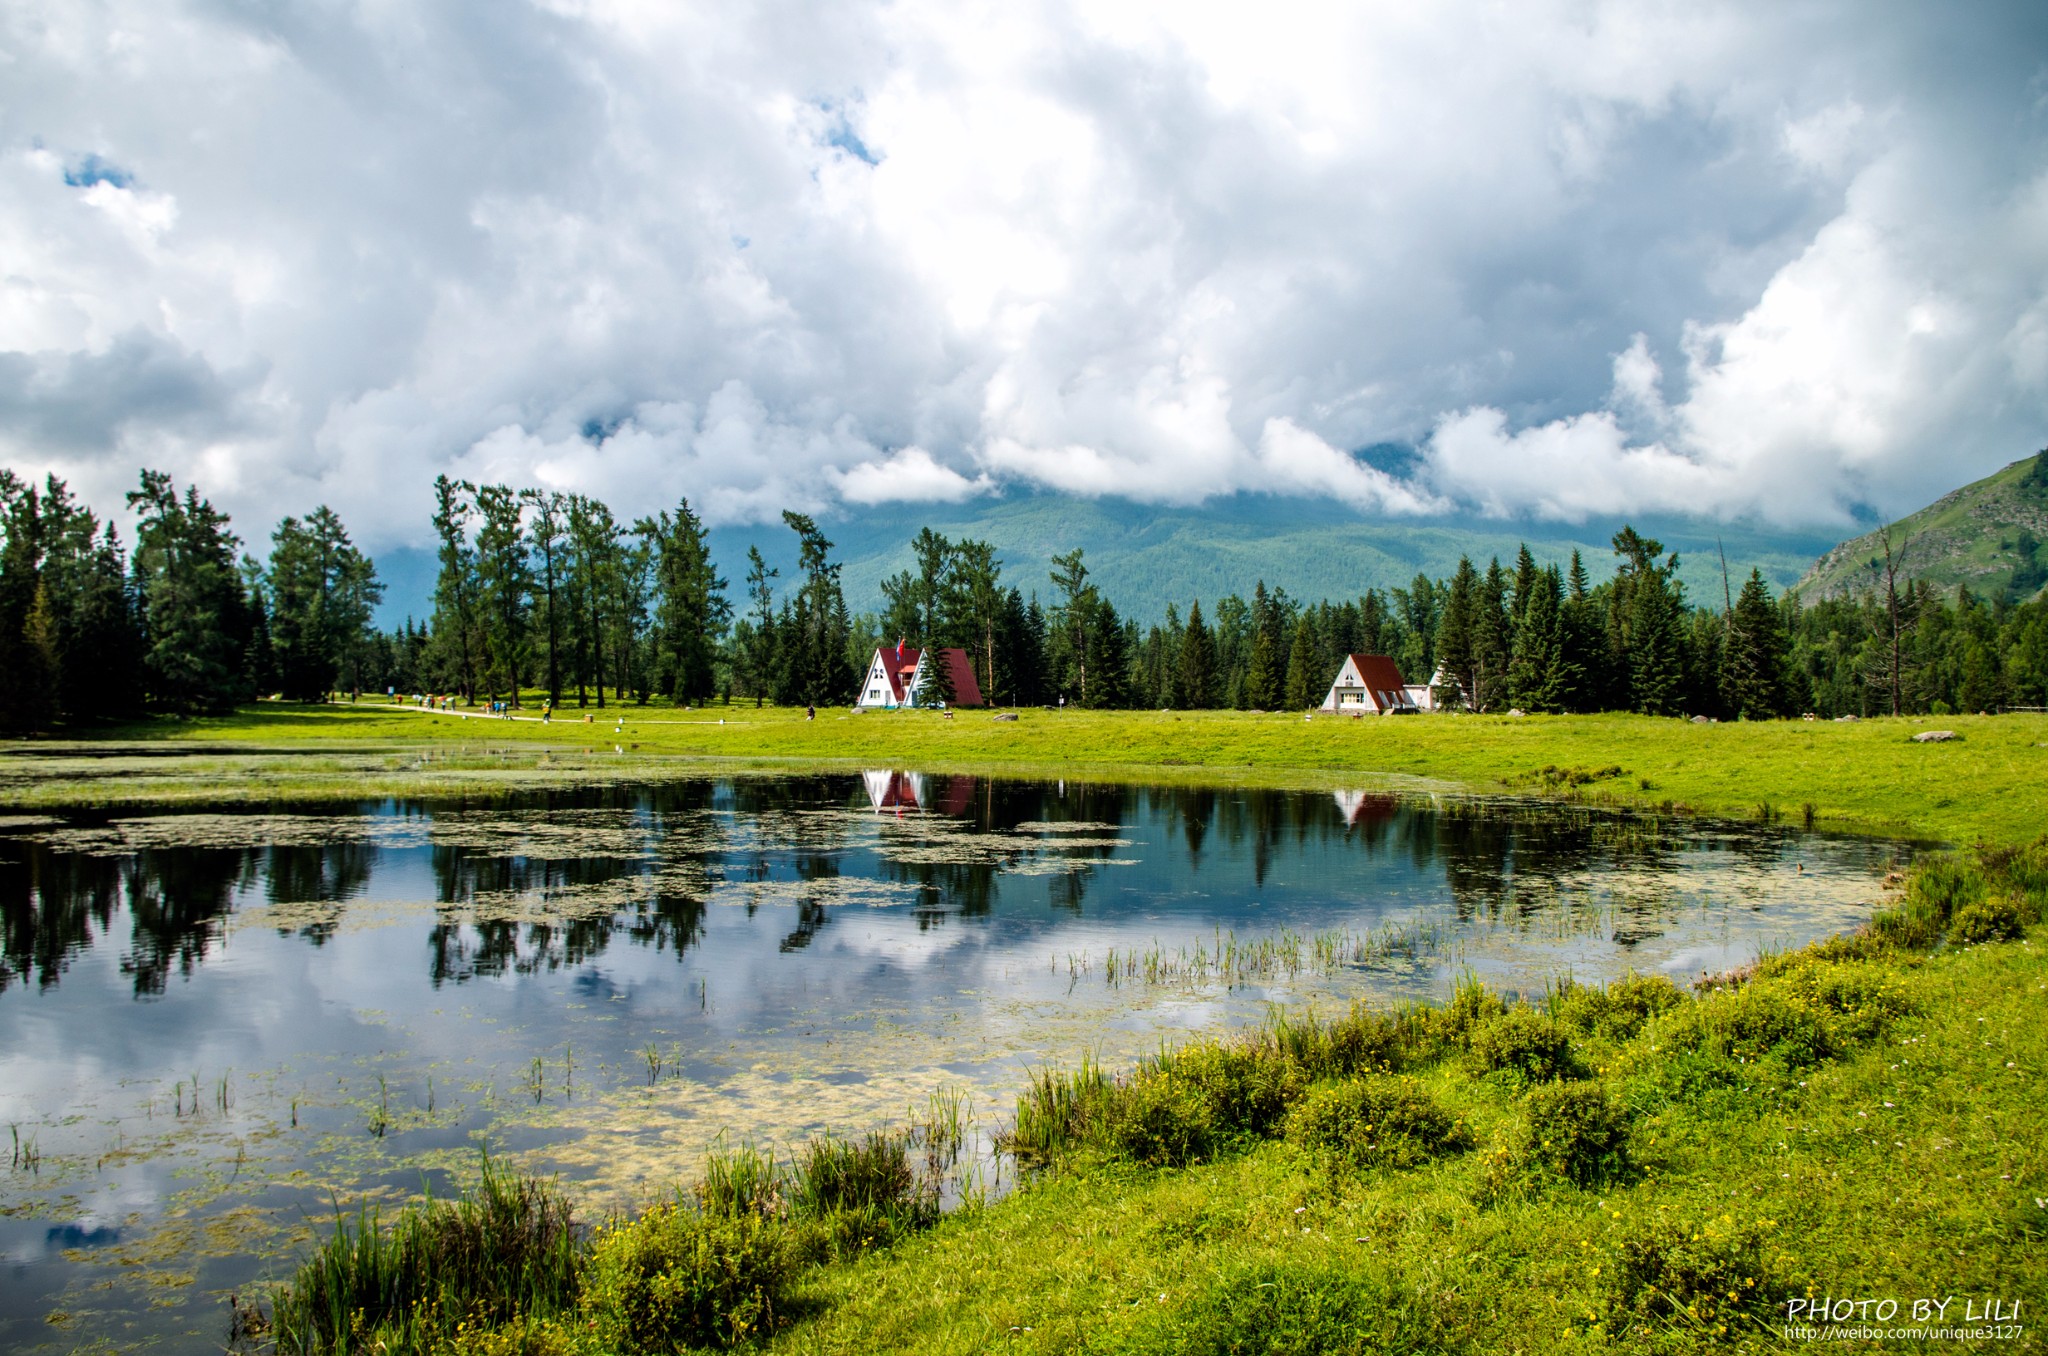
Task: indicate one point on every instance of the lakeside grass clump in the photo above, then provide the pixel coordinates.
(1618, 1168)
(504, 1249)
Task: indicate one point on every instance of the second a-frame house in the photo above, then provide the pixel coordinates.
(900, 675)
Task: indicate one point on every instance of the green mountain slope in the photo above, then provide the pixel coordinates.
(1991, 535)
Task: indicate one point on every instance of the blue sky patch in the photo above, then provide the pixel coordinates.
(93, 170)
(841, 136)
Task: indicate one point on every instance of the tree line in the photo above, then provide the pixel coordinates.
(543, 595)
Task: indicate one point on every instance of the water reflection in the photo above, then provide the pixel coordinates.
(552, 885)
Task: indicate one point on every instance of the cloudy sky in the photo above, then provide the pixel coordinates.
(1773, 261)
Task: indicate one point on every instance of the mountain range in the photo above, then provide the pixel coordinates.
(1989, 534)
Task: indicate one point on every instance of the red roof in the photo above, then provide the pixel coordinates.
(966, 692)
(1379, 673)
(900, 663)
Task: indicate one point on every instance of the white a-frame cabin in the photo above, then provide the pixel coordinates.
(1369, 685)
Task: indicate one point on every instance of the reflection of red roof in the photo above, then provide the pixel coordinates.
(916, 791)
(1363, 807)
(949, 795)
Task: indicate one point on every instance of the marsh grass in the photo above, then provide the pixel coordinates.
(507, 1246)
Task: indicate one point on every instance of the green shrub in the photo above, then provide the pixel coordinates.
(1522, 1042)
(519, 1337)
(1857, 1001)
(842, 1235)
(740, 1179)
(1472, 1005)
(1161, 1119)
(1275, 1309)
(2024, 870)
(1764, 1017)
(1619, 1010)
(1576, 1131)
(1937, 890)
(1712, 1278)
(1361, 1041)
(675, 1277)
(1247, 1086)
(1375, 1121)
(1999, 918)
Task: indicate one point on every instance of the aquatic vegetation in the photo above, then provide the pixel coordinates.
(872, 1175)
(740, 1178)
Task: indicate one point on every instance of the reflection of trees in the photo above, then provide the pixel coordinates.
(176, 899)
(55, 904)
(52, 905)
(1498, 860)
(659, 904)
(328, 873)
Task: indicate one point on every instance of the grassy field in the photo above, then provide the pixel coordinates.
(1866, 776)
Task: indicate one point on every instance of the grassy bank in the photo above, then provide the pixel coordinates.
(1866, 776)
(1624, 1169)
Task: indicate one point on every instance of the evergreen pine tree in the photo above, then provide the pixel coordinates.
(1457, 654)
(504, 583)
(1306, 683)
(1538, 678)
(1646, 613)
(1754, 654)
(1491, 639)
(193, 613)
(1197, 663)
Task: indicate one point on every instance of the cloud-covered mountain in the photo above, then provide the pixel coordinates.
(1769, 262)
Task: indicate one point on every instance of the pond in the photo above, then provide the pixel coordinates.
(214, 1026)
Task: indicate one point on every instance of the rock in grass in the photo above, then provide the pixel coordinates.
(1004, 715)
(1934, 736)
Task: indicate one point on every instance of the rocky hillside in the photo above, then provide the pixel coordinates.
(1991, 535)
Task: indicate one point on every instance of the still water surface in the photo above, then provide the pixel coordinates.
(212, 1025)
